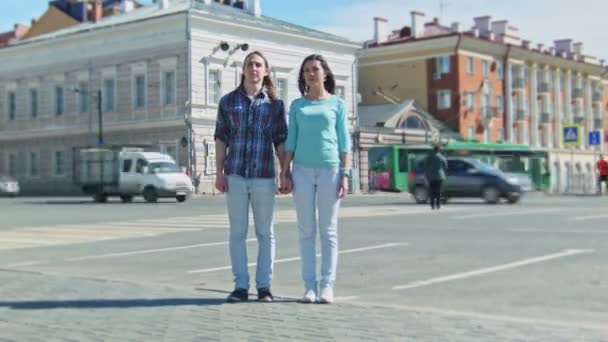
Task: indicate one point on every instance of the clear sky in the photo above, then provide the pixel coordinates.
(540, 21)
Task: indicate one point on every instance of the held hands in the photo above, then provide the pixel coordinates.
(286, 185)
(221, 184)
(342, 187)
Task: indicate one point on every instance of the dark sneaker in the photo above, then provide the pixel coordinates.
(264, 295)
(238, 295)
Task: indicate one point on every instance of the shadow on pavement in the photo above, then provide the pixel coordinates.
(111, 303)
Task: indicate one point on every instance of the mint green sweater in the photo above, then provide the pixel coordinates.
(318, 132)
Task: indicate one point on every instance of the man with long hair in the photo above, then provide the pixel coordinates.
(250, 125)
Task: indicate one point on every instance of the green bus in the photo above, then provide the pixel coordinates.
(390, 167)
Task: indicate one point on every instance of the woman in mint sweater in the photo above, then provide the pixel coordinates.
(318, 143)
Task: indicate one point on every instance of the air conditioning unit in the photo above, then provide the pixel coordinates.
(436, 75)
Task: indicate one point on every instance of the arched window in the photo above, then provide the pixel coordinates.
(413, 122)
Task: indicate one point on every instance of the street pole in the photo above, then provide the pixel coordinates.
(100, 117)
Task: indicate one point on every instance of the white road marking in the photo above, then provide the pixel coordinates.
(505, 213)
(588, 217)
(475, 273)
(552, 231)
(278, 261)
(149, 251)
(24, 263)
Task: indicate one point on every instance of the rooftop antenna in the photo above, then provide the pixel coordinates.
(442, 6)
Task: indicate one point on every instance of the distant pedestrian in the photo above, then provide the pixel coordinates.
(602, 171)
(435, 167)
(250, 126)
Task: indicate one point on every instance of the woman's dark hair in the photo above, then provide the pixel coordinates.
(267, 82)
(330, 81)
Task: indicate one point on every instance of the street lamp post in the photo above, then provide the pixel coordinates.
(100, 140)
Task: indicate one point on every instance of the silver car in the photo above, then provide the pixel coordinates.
(8, 186)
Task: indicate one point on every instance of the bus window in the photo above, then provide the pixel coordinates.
(403, 165)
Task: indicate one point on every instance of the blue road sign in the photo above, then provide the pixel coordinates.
(571, 135)
(594, 138)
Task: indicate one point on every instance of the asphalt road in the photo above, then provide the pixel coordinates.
(533, 271)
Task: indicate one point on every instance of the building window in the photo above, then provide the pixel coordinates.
(499, 70)
(109, 96)
(83, 97)
(12, 105)
(34, 103)
(500, 106)
(34, 164)
(470, 66)
(168, 88)
(170, 150)
(139, 92)
(485, 68)
(501, 135)
(59, 166)
(470, 100)
(471, 132)
(282, 88)
(12, 165)
(215, 86)
(486, 135)
(443, 64)
(340, 91)
(58, 100)
(444, 99)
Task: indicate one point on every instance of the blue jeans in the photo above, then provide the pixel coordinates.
(259, 192)
(316, 189)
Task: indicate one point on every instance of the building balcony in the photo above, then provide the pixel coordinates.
(543, 87)
(519, 83)
(521, 114)
(545, 117)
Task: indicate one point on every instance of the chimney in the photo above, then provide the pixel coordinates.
(254, 7)
(483, 24)
(126, 6)
(417, 24)
(380, 29)
(563, 45)
(97, 11)
(578, 48)
(500, 27)
(456, 28)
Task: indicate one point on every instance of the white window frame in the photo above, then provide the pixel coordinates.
(283, 92)
(11, 111)
(500, 72)
(470, 65)
(440, 96)
(84, 96)
(55, 163)
(501, 135)
(36, 114)
(135, 97)
(443, 64)
(485, 68)
(486, 135)
(343, 87)
(470, 100)
(500, 104)
(30, 163)
(471, 132)
(105, 103)
(211, 101)
(58, 108)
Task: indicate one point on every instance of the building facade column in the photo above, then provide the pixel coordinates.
(533, 100)
(509, 103)
(568, 114)
(557, 108)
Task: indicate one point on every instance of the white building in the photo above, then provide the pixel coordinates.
(161, 70)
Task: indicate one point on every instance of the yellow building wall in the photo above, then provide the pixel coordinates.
(52, 20)
(403, 80)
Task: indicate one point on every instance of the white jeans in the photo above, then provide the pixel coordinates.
(316, 189)
(259, 192)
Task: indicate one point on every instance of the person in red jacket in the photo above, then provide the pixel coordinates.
(602, 171)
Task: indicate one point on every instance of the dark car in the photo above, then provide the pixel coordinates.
(468, 178)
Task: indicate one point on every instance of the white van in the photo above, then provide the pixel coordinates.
(129, 172)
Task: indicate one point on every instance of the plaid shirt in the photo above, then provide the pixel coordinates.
(250, 129)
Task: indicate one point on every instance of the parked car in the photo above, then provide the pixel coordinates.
(9, 186)
(468, 178)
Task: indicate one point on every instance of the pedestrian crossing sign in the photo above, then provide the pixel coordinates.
(571, 135)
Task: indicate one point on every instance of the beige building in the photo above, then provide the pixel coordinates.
(489, 84)
(160, 69)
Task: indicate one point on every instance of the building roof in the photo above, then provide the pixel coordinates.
(214, 10)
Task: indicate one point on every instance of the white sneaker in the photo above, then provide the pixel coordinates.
(327, 295)
(309, 297)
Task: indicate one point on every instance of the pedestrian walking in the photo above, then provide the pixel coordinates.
(318, 143)
(435, 167)
(251, 125)
(602, 171)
